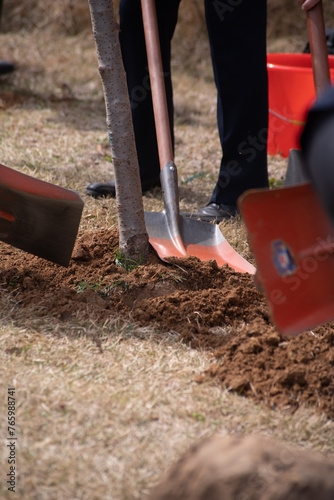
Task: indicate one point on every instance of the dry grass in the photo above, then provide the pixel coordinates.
(103, 410)
(103, 419)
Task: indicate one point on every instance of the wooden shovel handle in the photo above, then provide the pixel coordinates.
(318, 48)
(157, 80)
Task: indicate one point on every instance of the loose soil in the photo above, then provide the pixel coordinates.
(208, 307)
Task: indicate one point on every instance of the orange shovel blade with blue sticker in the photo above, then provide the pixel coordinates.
(292, 239)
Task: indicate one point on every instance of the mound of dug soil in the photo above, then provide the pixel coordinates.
(249, 468)
(209, 307)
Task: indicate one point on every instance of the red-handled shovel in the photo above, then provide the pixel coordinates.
(171, 234)
(291, 235)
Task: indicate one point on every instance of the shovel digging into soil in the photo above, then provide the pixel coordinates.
(38, 217)
(292, 238)
(171, 234)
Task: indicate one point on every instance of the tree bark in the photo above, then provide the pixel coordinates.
(133, 239)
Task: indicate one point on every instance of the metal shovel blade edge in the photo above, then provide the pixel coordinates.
(38, 217)
(195, 238)
(295, 173)
(292, 239)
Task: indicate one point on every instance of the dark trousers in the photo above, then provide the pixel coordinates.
(237, 34)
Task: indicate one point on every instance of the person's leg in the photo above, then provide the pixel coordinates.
(132, 41)
(237, 33)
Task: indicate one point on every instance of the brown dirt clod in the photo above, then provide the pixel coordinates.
(248, 467)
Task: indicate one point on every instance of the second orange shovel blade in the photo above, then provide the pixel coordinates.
(293, 242)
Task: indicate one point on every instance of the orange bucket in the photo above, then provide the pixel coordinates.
(291, 93)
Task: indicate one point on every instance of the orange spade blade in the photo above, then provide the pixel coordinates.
(293, 241)
(192, 238)
(38, 217)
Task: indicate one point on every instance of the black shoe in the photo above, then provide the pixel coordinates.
(6, 67)
(103, 189)
(214, 213)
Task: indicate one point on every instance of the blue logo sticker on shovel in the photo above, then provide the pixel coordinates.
(283, 259)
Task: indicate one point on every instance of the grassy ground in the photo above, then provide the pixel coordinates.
(103, 410)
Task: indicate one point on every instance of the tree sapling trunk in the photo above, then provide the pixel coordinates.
(133, 239)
